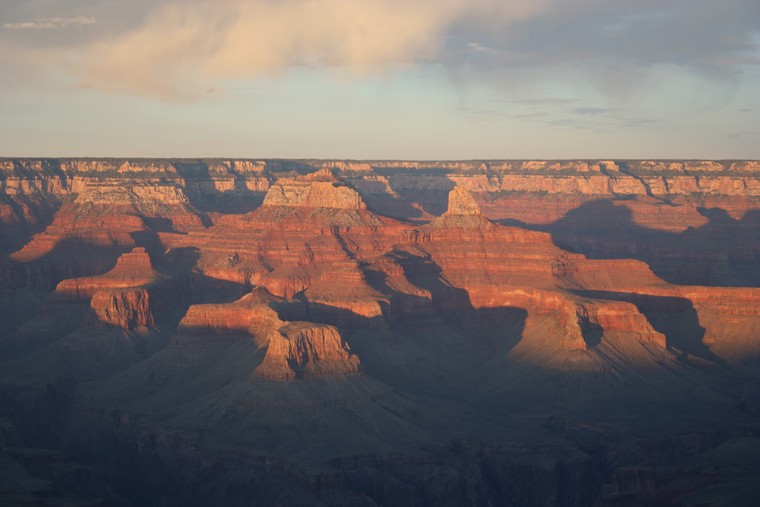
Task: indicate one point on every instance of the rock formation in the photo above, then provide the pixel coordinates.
(302, 349)
(461, 202)
(133, 269)
(293, 349)
(120, 297)
(125, 308)
(318, 190)
(551, 332)
(252, 314)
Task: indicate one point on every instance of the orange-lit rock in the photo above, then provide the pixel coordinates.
(124, 308)
(247, 315)
(133, 269)
(461, 202)
(126, 296)
(316, 244)
(550, 321)
(319, 190)
(303, 349)
(619, 317)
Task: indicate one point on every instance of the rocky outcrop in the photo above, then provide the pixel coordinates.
(122, 296)
(294, 349)
(319, 190)
(619, 317)
(125, 308)
(303, 349)
(461, 202)
(297, 244)
(71, 176)
(253, 314)
(315, 239)
(87, 229)
(133, 269)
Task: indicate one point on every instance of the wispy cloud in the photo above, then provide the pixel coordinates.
(50, 23)
(739, 135)
(537, 101)
(593, 111)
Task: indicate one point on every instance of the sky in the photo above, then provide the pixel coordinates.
(380, 79)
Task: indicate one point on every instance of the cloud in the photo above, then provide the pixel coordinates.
(173, 49)
(50, 23)
(181, 42)
(593, 111)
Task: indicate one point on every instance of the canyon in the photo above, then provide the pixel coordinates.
(325, 332)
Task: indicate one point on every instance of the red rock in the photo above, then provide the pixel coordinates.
(294, 349)
(318, 190)
(133, 269)
(620, 317)
(245, 316)
(124, 308)
(461, 202)
(472, 332)
(316, 239)
(121, 297)
(303, 349)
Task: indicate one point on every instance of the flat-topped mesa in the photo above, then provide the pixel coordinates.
(305, 349)
(461, 202)
(133, 269)
(317, 190)
(124, 296)
(133, 265)
(248, 315)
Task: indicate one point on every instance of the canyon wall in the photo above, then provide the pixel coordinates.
(379, 332)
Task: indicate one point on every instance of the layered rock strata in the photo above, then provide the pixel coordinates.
(122, 296)
(559, 306)
(302, 349)
(293, 349)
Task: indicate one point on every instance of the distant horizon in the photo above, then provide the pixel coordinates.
(360, 160)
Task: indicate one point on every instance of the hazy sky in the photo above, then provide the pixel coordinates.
(424, 79)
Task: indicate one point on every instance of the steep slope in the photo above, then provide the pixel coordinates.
(202, 342)
(121, 297)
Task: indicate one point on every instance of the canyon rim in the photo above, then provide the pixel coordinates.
(322, 332)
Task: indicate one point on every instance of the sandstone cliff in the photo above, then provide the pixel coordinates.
(318, 190)
(133, 269)
(122, 296)
(303, 349)
(461, 202)
(126, 308)
(527, 329)
(293, 349)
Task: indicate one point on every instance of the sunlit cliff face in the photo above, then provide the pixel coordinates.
(323, 237)
(480, 320)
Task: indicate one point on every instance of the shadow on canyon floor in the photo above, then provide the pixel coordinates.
(388, 205)
(433, 200)
(205, 197)
(723, 252)
(15, 232)
(506, 324)
(70, 258)
(674, 317)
